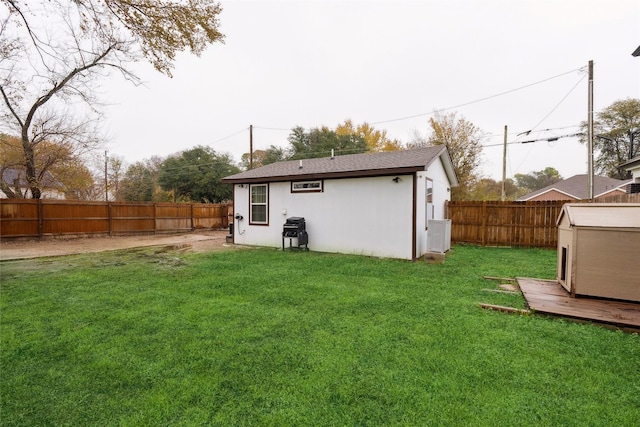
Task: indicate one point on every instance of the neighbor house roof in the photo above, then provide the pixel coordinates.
(576, 187)
(631, 164)
(10, 175)
(351, 165)
(613, 215)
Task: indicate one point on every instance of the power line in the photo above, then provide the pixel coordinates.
(545, 117)
(463, 104)
(559, 103)
(307, 154)
(457, 106)
(550, 139)
(229, 136)
(529, 131)
(481, 99)
(451, 108)
(269, 128)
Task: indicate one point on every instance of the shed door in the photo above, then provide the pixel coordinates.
(563, 264)
(564, 267)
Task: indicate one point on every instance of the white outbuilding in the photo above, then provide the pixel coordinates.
(599, 250)
(376, 204)
(633, 166)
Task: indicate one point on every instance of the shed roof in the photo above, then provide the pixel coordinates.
(351, 165)
(610, 215)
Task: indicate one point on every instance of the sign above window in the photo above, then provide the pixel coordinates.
(306, 186)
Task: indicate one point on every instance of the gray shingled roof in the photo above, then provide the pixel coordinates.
(367, 164)
(576, 186)
(10, 175)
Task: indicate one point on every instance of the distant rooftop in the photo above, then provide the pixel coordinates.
(576, 186)
(10, 175)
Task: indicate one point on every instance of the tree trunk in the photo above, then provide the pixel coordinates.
(30, 166)
(7, 190)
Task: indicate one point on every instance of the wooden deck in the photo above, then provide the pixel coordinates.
(549, 297)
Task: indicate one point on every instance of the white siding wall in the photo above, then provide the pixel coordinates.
(441, 188)
(366, 216)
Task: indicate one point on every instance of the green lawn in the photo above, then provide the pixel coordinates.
(263, 337)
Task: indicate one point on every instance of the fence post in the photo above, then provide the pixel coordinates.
(483, 230)
(192, 217)
(110, 215)
(40, 219)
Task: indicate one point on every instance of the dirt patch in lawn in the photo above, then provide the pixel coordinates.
(195, 242)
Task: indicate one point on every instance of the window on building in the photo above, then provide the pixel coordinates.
(259, 204)
(429, 201)
(306, 186)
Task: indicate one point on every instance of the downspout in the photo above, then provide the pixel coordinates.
(415, 218)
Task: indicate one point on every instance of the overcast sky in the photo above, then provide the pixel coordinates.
(391, 64)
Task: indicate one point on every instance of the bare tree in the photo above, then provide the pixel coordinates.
(464, 144)
(53, 53)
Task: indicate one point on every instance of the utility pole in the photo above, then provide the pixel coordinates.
(106, 180)
(250, 147)
(504, 165)
(590, 135)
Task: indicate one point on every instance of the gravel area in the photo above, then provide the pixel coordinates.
(197, 241)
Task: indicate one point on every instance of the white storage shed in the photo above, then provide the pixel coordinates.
(375, 204)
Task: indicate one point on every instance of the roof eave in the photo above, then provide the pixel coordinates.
(563, 212)
(449, 169)
(631, 164)
(611, 190)
(328, 175)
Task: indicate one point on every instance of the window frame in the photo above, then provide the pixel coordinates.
(265, 204)
(319, 189)
(428, 202)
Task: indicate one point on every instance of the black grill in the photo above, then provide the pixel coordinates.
(295, 228)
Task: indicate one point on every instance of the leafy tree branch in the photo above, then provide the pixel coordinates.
(53, 52)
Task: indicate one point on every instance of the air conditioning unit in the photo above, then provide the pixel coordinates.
(439, 235)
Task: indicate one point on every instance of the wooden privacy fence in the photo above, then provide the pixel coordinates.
(496, 223)
(45, 217)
